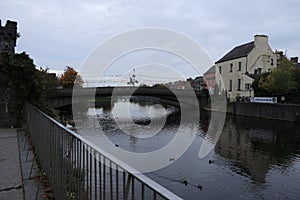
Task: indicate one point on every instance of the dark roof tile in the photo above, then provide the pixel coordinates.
(238, 52)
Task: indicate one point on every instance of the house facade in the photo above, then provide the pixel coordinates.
(210, 79)
(197, 83)
(234, 72)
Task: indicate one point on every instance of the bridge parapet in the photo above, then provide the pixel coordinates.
(58, 98)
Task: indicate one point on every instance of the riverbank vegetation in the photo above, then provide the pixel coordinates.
(23, 84)
(70, 78)
(283, 82)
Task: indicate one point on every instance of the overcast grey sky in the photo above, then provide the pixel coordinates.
(60, 33)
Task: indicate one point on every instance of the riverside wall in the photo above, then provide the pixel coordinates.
(285, 112)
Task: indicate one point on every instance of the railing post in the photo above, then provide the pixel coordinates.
(76, 168)
(127, 186)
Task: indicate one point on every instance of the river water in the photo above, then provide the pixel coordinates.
(253, 158)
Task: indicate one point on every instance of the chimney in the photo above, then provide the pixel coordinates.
(294, 60)
(261, 40)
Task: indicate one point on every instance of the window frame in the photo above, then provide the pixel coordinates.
(240, 66)
(239, 84)
(272, 61)
(247, 86)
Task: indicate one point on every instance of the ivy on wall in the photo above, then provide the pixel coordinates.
(24, 83)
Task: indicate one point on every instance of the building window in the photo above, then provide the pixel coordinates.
(239, 85)
(220, 69)
(247, 86)
(231, 66)
(259, 70)
(272, 62)
(230, 85)
(240, 66)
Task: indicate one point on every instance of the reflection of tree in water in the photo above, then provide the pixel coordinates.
(254, 145)
(107, 109)
(144, 100)
(204, 121)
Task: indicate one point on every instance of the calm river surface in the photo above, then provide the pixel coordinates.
(253, 158)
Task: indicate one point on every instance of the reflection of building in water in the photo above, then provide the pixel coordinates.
(251, 149)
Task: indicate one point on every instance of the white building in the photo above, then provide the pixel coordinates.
(235, 71)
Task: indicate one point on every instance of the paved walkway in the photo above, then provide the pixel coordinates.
(17, 168)
(11, 185)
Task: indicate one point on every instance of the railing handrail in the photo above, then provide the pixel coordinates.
(134, 172)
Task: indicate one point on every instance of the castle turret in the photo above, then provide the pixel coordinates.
(8, 36)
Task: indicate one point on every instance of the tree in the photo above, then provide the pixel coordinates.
(280, 80)
(23, 82)
(50, 80)
(70, 78)
(259, 91)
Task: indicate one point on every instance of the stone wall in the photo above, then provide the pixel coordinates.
(284, 112)
(8, 36)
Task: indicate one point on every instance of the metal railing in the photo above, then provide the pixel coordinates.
(78, 169)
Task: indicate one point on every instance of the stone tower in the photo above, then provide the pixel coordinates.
(8, 36)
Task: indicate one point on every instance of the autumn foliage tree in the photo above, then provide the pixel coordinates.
(70, 78)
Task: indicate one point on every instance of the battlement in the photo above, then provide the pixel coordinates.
(8, 36)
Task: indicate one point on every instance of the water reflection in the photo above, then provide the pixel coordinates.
(254, 145)
(253, 158)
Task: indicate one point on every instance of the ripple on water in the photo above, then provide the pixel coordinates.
(253, 159)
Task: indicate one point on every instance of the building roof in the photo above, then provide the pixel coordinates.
(211, 70)
(238, 52)
(199, 79)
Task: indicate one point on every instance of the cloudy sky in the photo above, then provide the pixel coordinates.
(63, 33)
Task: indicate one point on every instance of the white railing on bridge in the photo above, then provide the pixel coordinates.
(78, 169)
(122, 80)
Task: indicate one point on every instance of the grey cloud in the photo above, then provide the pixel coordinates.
(59, 33)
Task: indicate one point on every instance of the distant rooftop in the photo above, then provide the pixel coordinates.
(211, 70)
(238, 52)
(199, 78)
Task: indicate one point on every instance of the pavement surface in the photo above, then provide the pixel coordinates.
(18, 169)
(11, 183)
